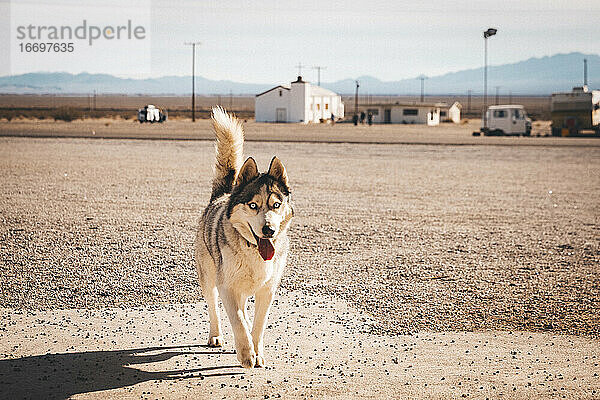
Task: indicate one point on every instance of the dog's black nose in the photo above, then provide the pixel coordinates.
(267, 231)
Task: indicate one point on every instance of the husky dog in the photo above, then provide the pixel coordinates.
(242, 243)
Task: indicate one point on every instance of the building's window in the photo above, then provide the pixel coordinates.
(500, 114)
(442, 113)
(280, 93)
(373, 111)
(318, 107)
(326, 106)
(410, 111)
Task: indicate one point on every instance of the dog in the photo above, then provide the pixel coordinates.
(242, 243)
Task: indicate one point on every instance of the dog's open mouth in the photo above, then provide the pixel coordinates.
(265, 246)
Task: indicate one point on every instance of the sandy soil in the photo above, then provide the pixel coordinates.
(418, 239)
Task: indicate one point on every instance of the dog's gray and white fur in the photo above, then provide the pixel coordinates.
(245, 222)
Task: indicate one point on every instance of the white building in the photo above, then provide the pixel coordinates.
(409, 113)
(451, 113)
(300, 102)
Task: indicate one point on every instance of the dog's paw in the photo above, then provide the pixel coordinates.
(260, 361)
(215, 341)
(247, 359)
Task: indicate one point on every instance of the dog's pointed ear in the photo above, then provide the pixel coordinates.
(248, 172)
(277, 171)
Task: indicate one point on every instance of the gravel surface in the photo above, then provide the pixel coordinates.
(423, 238)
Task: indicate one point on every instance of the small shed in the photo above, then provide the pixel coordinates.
(404, 113)
(451, 113)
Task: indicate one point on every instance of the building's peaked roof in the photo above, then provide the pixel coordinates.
(273, 88)
(319, 91)
(446, 105)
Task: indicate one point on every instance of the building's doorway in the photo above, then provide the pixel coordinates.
(281, 115)
(387, 116)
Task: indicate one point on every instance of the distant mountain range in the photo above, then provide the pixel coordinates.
(535, 76)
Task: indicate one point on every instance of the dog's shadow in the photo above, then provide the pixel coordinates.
(65, 374)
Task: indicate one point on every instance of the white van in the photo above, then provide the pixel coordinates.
(506, 120)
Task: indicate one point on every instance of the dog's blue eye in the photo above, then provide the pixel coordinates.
(276, 204)
(253, 206)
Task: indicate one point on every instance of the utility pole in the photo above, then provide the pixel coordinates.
(356, 99)
(469, 101)
(585, 72)
(230, 100)
(300, 66)
(319, 68)
(193, 44)
(422, 79)
(486, 34)
(497, 95)
(94, 100)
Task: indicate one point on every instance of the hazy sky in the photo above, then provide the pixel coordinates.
(262, 41)
(387, 39)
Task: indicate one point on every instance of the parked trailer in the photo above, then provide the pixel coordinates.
(576, 113)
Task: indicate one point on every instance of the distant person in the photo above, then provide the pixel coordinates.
(362, 117)
(370, 119)
(355, 119)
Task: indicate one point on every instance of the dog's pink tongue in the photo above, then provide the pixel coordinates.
(266, 249)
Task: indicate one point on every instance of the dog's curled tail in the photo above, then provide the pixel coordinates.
(229, 150)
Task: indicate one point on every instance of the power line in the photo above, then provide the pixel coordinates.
(469, 101)
(193, 44)
(300, 66)
(319, 68)
(356, 98)
(422, 79)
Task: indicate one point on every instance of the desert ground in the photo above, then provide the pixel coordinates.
(425, 263)
(185, 129)
(107, 105)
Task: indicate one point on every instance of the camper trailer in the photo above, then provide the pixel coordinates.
(576, 113)
(506, 120)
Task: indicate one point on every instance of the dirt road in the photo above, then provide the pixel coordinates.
(177, 129)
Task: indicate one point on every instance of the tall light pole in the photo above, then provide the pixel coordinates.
(486, 35)
(422, 79)
(356, 99)
(469, 101)
(319, 68)
(193, 44)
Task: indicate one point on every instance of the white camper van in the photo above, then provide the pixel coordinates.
(506, 120)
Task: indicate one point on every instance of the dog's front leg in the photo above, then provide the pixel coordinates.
(234, 303)
(264, 298)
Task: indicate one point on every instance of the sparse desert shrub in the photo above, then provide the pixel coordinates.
(66, 114)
